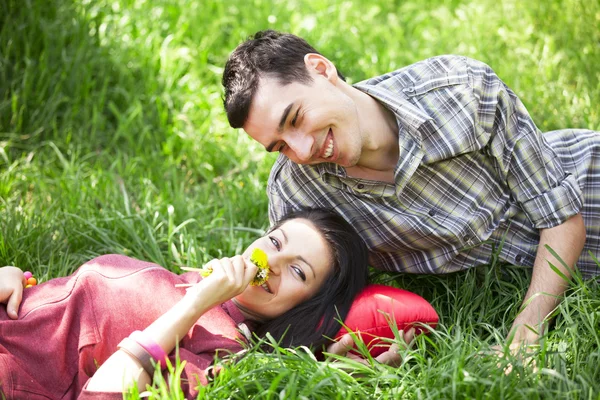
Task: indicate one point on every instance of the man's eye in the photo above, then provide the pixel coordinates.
(300, 273)
(295, 118)
(275, 243)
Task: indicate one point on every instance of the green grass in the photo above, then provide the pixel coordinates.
(113, 140)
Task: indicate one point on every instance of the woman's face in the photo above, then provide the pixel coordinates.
(299, 260)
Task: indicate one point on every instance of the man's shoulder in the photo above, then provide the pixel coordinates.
(429, 68)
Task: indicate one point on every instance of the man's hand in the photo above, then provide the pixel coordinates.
(525, 354)
(390, 357)
(12, 283)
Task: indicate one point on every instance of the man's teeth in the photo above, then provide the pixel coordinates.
(329, 150)
(264, 286)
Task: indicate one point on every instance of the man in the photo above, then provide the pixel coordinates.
(437, 164)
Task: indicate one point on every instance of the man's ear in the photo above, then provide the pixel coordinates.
(316, 63)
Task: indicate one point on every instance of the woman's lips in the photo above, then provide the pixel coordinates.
(266, 287)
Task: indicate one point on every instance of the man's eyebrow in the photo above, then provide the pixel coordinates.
(285, 239)
(284, 117)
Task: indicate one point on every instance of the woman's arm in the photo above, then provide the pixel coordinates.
(12, 282)
(229, 278)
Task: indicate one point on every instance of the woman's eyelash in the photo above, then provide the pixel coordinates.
(300, 273)
(275, 242)
(297, 270)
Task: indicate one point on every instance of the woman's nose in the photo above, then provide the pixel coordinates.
(274, 268)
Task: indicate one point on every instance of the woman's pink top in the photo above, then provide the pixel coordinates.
(67, 327)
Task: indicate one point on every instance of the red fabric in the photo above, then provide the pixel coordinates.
(69, 326)
(377, 305)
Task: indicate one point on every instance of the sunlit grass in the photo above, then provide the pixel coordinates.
(113, 140)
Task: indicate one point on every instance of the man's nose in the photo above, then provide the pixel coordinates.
(302, 145)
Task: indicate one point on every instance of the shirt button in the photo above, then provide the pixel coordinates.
(518, 258)
(360, 186)
(409, 90)
(466, 238)
(432, 212)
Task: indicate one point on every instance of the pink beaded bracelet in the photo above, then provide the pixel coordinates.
(151, 347)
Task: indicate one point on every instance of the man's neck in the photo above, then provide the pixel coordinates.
(380, 149)
(371, 174)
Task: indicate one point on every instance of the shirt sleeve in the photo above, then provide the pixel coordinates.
(547, 193)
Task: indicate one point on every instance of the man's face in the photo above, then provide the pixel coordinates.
(309, 123)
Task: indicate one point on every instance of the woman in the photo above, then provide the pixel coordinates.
(64, 342)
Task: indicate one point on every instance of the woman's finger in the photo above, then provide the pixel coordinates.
(14, 301)
(390, 357)
(409, 336)
(219, 268)
(249, 270)
(342, 346)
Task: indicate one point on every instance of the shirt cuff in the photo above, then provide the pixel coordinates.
(555, 206)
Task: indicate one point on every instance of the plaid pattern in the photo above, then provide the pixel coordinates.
(474, 176)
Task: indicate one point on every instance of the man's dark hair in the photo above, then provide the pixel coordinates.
(269, 52)
(310, 323)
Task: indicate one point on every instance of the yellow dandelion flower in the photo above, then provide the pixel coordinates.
(259, 258)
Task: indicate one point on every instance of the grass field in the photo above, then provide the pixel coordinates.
(113, 139)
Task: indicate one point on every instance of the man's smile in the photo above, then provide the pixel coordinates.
(328, 146)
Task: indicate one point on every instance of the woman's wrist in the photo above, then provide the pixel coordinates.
(155, 350)
(138, 353)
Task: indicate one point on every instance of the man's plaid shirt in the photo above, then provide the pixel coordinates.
(475, 176)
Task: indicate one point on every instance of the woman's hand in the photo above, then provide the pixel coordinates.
(230, 276)
(12, 283)
(389, 357)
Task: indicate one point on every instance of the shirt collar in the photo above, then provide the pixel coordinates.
(233, 311)
(406, 113)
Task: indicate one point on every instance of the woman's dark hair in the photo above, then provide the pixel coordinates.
(268, 52)
(311, 322)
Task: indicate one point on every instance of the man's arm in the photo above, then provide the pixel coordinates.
(547, 287)
(549, 195)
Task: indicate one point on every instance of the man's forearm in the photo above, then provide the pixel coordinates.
(547, 287)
